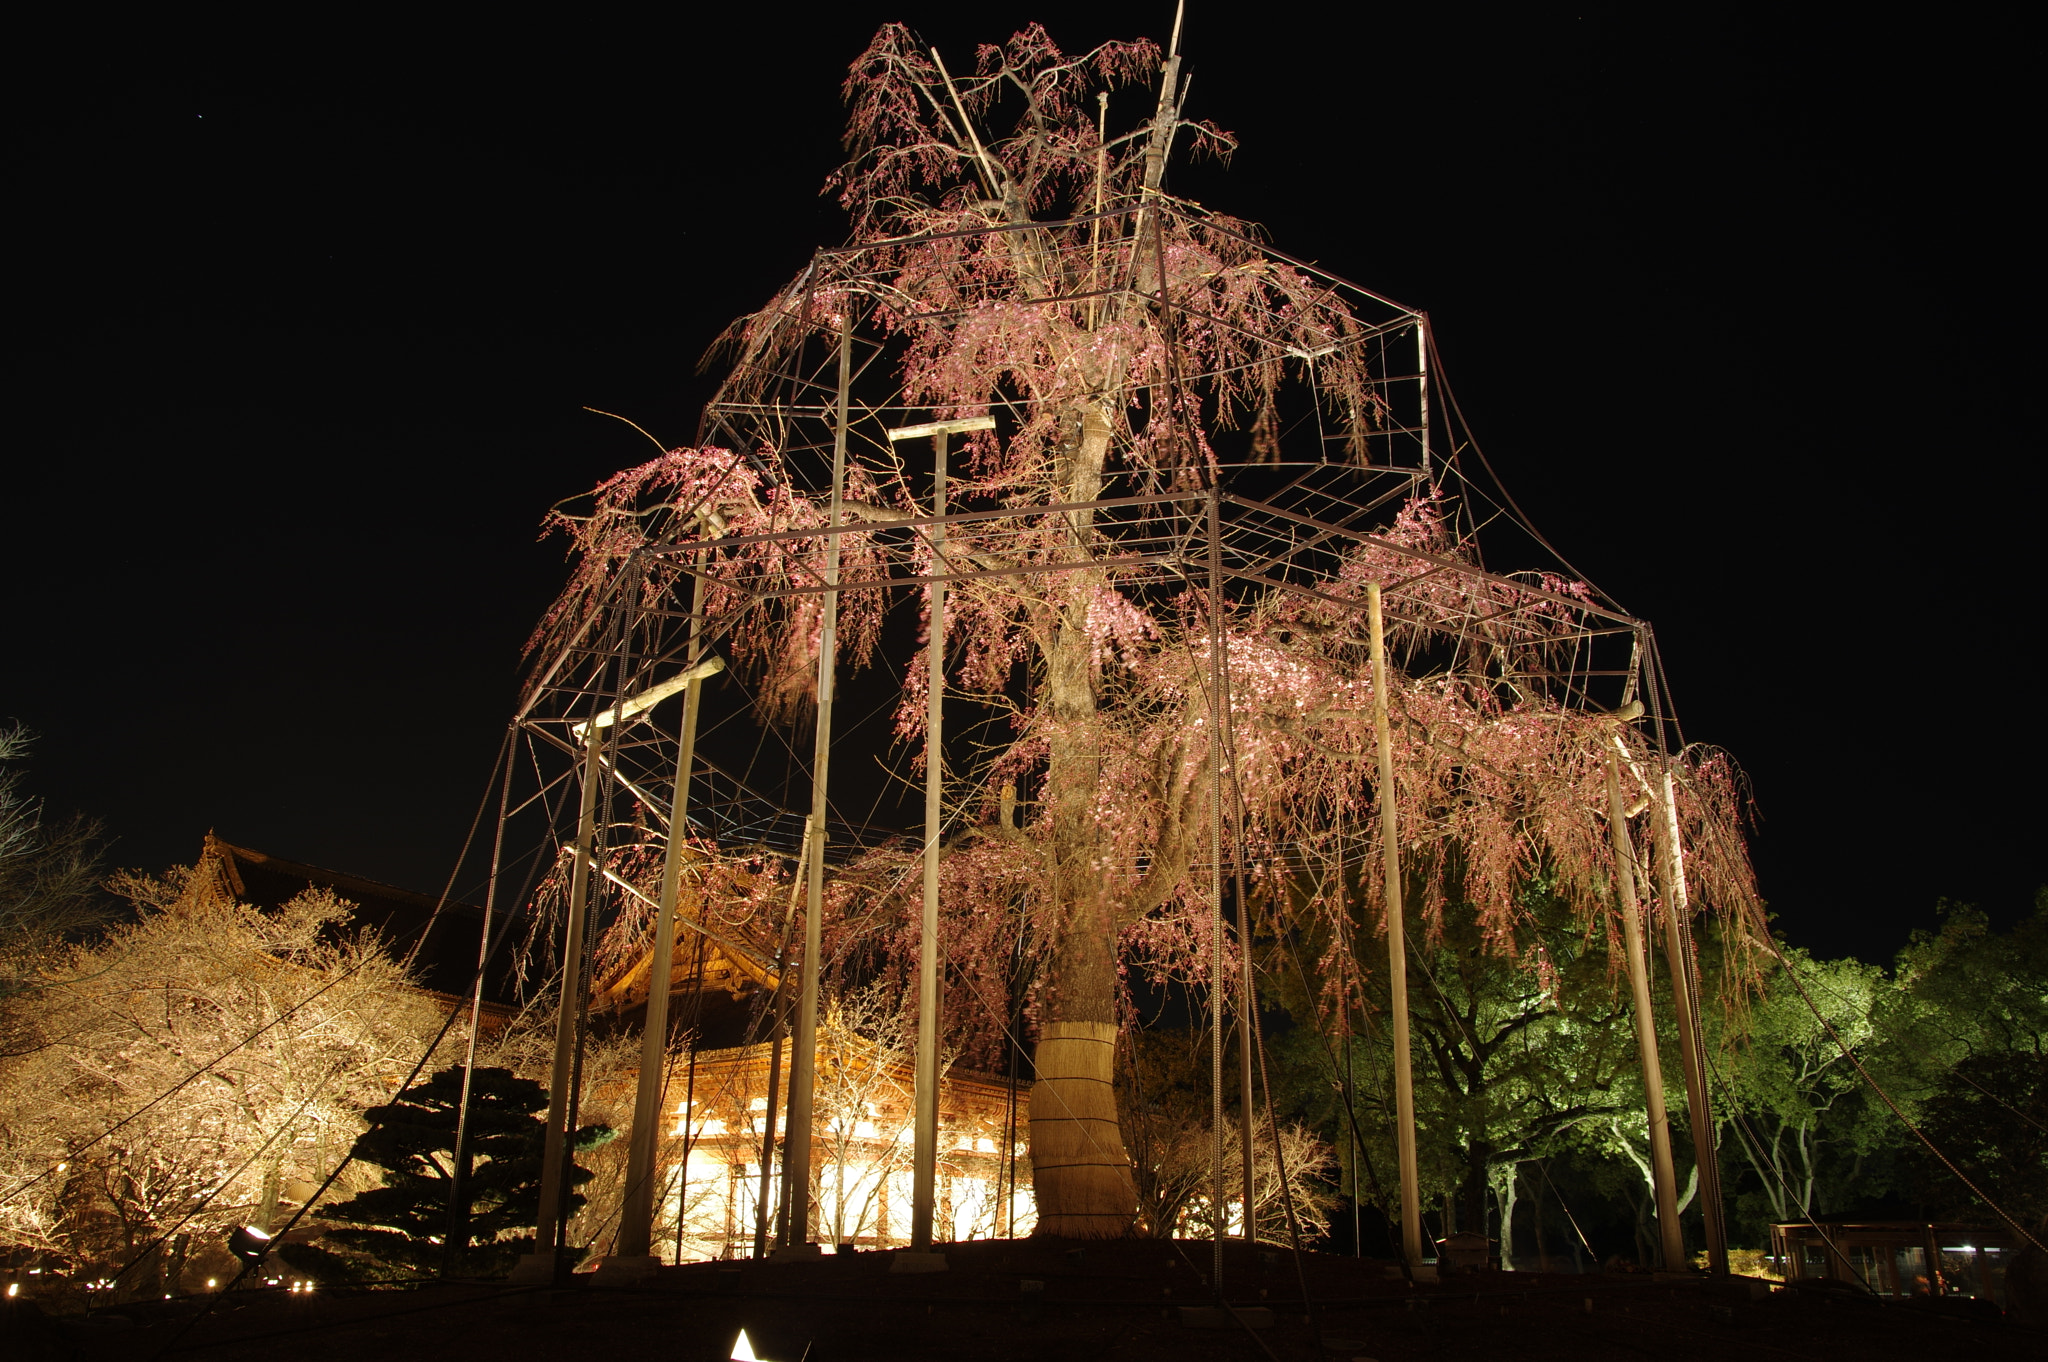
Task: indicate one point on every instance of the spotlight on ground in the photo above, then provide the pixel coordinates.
(249, 1244)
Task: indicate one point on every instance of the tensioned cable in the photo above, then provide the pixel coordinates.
(462, 857)
(1885, 1097)
(1770, 939)
(1443, 386)
(1755, 1143)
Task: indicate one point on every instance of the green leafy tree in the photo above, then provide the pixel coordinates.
(399, 1229)
(1795, 1110)
(1990, 1117)
(1520, 1054)
(1964, 1045)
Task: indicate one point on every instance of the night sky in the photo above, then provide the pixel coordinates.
(1742, 309)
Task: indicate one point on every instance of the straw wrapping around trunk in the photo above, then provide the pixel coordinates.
(1080, 1172)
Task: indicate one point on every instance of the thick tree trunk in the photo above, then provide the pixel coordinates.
(1080, 1173)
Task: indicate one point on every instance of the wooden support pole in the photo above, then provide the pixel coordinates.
(1247, 989)
(1397, 944)
(778, 1032)
(1664, 1184)
(1692, 1045)
(925, 1151)
(803, 1057)
(636, 1214)
(555, 1158)
(1218, 1220)
(761, 1198)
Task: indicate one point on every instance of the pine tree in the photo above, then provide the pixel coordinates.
(399, 1229)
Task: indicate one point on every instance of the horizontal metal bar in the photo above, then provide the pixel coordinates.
(1455, 565)
(908, 522)
(1023, 570)
(993, 229)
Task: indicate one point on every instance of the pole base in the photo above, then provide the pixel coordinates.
(626, 1270)
(916, 1260)
(533, 1269)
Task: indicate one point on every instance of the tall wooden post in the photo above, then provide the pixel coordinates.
(763, 1196)
(554, 1159)
(1691, 1044)
(803, 1051)
(1218, 1220)
(636, 1214)
(925, 1152)
(1664, 1184)
(1397, 941)
(1247, 989)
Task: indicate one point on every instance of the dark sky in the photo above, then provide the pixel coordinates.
(1743, 309)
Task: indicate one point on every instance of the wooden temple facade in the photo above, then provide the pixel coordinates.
(717, 1121)
(860, 1160)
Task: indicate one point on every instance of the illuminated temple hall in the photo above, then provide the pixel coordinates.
(718, 1104)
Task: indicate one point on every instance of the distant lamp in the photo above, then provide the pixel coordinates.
(249, 1244)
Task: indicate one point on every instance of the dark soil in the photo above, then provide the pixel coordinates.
(1099, 1300)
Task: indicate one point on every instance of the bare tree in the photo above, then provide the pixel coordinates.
(1163, 1102)
(50, 871)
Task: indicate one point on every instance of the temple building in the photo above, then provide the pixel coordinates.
(721, 990)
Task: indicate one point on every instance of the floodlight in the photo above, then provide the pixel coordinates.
(742, 1350)
(249, 1244)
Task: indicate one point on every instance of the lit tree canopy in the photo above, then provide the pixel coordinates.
(1203, 453)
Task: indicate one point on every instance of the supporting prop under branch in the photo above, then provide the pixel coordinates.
(803, 1050)
(1662, 1178)
(1397, 946)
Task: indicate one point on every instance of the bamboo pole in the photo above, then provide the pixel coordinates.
(925, 1152)
(1248, 997)
(1397, 946)
(1217, 1217)
(1664, 1184)
(775, 1029)
(803, 1058)
(636, 1215)
(548, 1228)
(1691, 1044)
(778, 1032)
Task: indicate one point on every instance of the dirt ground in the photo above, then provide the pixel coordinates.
(1099, 1300)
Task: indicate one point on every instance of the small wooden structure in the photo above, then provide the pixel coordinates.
(1897, 1257)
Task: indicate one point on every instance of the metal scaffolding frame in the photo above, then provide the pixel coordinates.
(823, 405)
